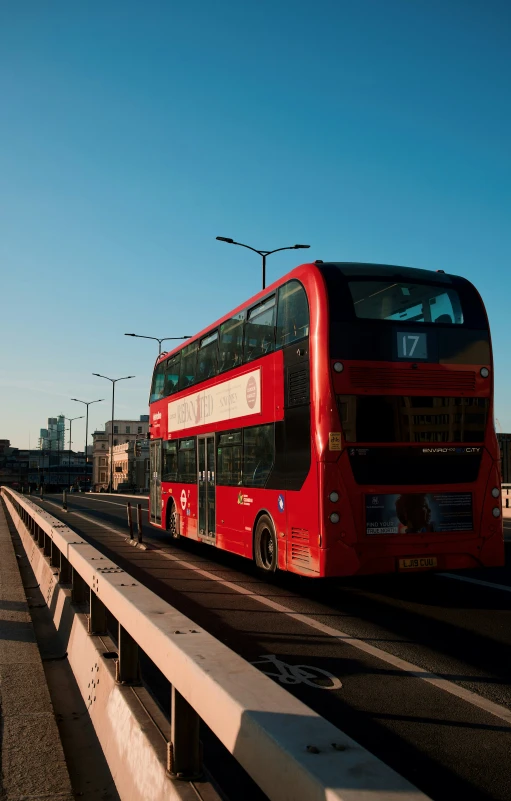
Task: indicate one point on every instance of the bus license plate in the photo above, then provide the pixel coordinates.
(424, 562)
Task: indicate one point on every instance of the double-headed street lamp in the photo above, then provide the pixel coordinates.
(156, 339)
(87, 404)
(263, 253)
(70, 421)
(114, 382)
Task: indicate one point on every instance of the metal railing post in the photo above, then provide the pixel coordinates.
(40, 537)
(127, 666)
(139, 522)
(79, 590)
(65, 570)
(130, 519)
(54, 555)
(64, 500)
(184, 750)
(97, 617)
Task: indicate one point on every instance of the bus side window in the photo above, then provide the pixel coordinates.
(188, 374)
(186, 461)
(231, 343)
(207, 357)
(169, 472)
(228, 464)
(158, 387)
(260, 330)
(292, 315)
(258, 454)
(172, 375)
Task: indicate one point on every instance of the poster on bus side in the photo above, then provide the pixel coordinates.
(418, 513)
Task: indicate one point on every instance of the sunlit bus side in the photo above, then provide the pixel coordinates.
(338, 423)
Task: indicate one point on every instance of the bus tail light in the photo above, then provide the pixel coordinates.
(496, 511)
(334, 517)
(338, 367)
(495, 492)
(484, 372)
(334, 496)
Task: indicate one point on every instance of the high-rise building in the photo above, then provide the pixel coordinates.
(52, 438)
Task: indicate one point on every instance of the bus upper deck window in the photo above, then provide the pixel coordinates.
(406, 302)
(260, 330)
(230, 346)
(292, 315)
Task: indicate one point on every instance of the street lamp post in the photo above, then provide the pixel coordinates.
(87, 404)
(263, 253)
(114, 381)
(70, 421)
(156, 339)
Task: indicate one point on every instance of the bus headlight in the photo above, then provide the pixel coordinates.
(334, 517)
(334, 497)
(495, 492)
(495, 511)
(484, 372)
(338, 367)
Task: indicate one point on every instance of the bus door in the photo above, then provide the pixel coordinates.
(155, 481)
(206, 488)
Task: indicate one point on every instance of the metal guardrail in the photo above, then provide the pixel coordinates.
(287, 749)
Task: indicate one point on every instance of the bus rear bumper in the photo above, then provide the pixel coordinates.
(446, 556)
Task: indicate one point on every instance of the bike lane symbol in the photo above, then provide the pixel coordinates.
(298, 674)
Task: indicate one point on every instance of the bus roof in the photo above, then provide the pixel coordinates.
(367, 270)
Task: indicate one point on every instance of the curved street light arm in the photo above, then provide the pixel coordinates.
(142, 336)
(260, 252)
(290, 247)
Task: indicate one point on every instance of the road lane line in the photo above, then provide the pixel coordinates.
(100, 500)
(409, 668)
(91, 520)
(503, 587)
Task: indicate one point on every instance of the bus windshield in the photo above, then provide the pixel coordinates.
(403, 301)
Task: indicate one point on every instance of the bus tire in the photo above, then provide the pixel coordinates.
(172, 521)
(265, 545)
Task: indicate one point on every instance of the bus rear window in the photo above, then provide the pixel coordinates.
(407, 302)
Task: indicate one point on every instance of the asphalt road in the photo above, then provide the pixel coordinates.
(416, 668)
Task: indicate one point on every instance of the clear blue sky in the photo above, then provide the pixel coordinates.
(131, 134)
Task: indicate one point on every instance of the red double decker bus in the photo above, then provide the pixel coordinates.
(340, 422)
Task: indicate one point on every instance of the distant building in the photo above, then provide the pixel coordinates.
(131, 465)
(505, 456)
(123, 433)
(31, 468)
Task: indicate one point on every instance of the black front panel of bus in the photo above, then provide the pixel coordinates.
(435, 465)
(376, 340)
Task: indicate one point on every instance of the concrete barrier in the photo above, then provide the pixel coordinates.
(288, 750)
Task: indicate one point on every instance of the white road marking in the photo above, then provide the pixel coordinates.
(503, 587)
(91, 520)
(415, 671)
(101, 525)
(112, 503)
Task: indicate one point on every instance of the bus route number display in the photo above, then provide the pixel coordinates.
(411, 345)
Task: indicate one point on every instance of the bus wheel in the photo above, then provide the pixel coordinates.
(173, 521)
(265, 545)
